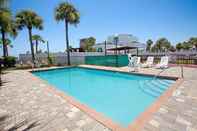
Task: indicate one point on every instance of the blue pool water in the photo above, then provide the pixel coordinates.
(119, 96)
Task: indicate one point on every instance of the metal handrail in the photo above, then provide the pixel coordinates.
(158, 74)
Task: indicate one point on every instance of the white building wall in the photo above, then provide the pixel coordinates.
(122, 39)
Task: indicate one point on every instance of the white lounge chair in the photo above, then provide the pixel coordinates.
(131, 60)
(134, 63)
(149, 62)
(138, 61)
(163, 63)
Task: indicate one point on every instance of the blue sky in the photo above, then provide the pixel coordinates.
(173, 19)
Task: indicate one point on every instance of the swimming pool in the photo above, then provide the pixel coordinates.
(119, 96)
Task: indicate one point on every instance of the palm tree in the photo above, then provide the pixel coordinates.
(38, 39)
(179, 46)
(193, 41)
(29, 19)
(7, 26)
(8, 43)
(69, 14)
(163, 44)
(149, 43)
(186, 45)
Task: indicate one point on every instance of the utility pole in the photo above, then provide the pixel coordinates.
(1, 62)
(182, 76)
(116, 53)
(105, 47)
(48, 49)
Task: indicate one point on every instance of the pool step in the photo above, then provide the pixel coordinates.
(159, 85)
(148, 91)
(165, 82)
(151, 88)
(155, 87)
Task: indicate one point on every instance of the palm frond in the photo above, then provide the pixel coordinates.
(66, 11)
(38, 38)
(29, 19)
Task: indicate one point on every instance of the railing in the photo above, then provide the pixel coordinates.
(175, 57)
(158, 74)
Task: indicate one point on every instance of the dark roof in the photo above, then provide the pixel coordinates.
(74, 48)
(123, 48)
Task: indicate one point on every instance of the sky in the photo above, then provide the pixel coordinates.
(146, 19)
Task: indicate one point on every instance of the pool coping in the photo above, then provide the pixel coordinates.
(135, 125)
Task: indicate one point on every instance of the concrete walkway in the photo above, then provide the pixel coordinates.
(27, 104)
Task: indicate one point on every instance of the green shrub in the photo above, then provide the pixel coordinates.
(9, 61)
(44, 65)
(50, 60)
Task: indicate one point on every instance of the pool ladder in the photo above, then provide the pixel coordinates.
(158, 74)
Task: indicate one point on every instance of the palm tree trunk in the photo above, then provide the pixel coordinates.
(31, 44)
(36, 46)
(67, 42)
(4, 42)
(6, 48)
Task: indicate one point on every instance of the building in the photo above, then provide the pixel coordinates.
(122, 40)
(100, 47)
(82, 43)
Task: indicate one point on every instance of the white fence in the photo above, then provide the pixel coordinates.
(79, 57)
(59, 58)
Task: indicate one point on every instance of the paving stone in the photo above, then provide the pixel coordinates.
(154, 123)
(163, 110)
(65, 129)
(74, 109)
(191, 129)
(71, 114)
(179, 127)
(81, 123)
(181, 120)
(77, 129)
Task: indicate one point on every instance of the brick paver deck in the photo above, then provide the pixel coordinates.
(26, 103)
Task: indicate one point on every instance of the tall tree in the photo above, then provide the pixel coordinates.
(29, 19)
(193, 41)
(38, 39)
(154, 48)
(7, 27)
(8, 43)
(186, 45)
(162, 44)
(179, 46)
(69, 14)
(149, 43)
(89, 43)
